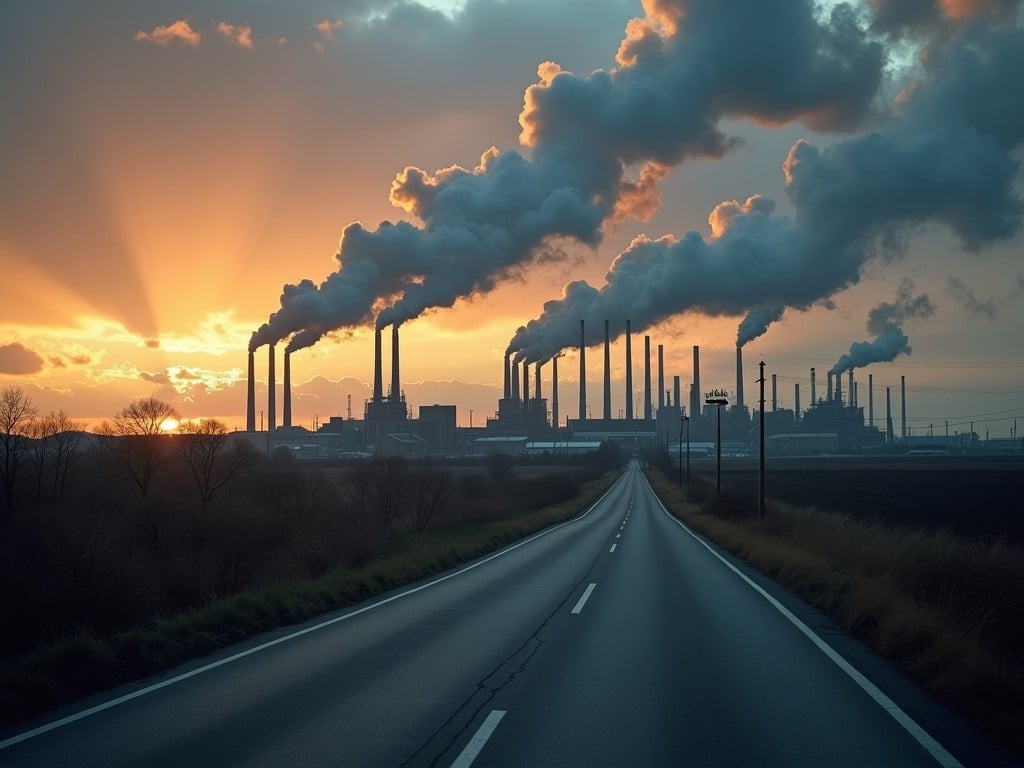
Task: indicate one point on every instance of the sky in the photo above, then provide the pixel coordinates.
(838, 183)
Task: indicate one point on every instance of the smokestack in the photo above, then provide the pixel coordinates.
(828, 391)
(607, 373)
(536, 381)
(775, 394)
(839, 387)
(889, 417)
(629, 375)
(661, 375)
(554, 393)
(250, 400)
(813, 401)
(287, 388)
(378, 375)
(272, 394)
(396, 382)
(583, 373)
(675, 389)
(647, 378)
(739, 377)
(508, 375)
(796, 401)
(851, 391)
(526, 383)
(903, 407)
(695, 406)
(515, 380)
(871, 400)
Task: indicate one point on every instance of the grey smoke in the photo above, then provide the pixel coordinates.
(675, 80)
(756, 323)
(977, 307)
(885, 324)
(947, 158)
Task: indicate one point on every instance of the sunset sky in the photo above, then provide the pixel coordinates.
(169, 166)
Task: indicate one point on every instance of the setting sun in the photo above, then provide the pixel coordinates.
(168, 425)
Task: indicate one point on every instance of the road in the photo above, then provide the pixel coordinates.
(619, 638)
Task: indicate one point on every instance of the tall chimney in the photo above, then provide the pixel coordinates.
(661, 375)
(695, 406)
(675, 391)
(775, 393)
(871, 400)
(554, 393)
(287, 388)
(813, 401)
(536, 380)
(796, 401)
(396, 381)
(515, 380)
(739, 377)
(378, 375)
(889, 417)
(855, 396)
(903, 407)
(839, 388)
(828, 392)
(250, 400)
(271, 393)
(607, 373)
(851, 393)
(526, 383)
(508, 375)
(583, 373)
(629, 375)
(648, 405)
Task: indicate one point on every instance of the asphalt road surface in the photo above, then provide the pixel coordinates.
(617, 639)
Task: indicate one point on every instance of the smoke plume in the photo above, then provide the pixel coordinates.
(978, 307)
(599, 145)
(756, 323)
(947, 157)
(885, 323)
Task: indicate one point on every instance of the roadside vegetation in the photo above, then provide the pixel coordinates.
(133, 550)
(948, 609)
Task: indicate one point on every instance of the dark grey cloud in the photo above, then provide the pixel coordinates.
(898, 18)
(948, 158)
(18, 360)
(674, 83)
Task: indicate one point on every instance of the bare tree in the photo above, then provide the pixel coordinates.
(16, 413)
(433, 488)
(65, 440)
(214, 457)
(389, 487)
(140, 446)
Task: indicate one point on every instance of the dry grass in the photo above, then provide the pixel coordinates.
(86, 662)
(949, 610)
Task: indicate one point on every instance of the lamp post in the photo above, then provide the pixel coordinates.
(718, 399)
(681, 422)
(687, 420)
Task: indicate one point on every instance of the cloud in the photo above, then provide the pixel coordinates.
(238, 35)
(180, 31)
(326, 29)
(18, 360)
(949, 158)
(675, 82)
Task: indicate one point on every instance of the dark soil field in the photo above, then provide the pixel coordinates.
(980, 497)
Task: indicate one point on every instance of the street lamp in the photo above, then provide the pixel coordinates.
(718, 401)
(684, 420)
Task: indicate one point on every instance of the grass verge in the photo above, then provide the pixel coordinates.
(949, 610)
(84, 663)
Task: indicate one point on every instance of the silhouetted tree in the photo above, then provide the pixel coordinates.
(16, 414)
(213, 456)
(140, 447)
(433, 488)
(389, 488)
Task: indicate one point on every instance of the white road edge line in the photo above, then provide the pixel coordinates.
(584, 597)
(483, 733)
(936, 750)
(54, 725)
(613, 547)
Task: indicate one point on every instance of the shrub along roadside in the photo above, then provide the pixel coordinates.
(85, 662)
(949, 610)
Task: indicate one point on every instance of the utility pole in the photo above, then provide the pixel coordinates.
(760, 497)
(682, 421)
